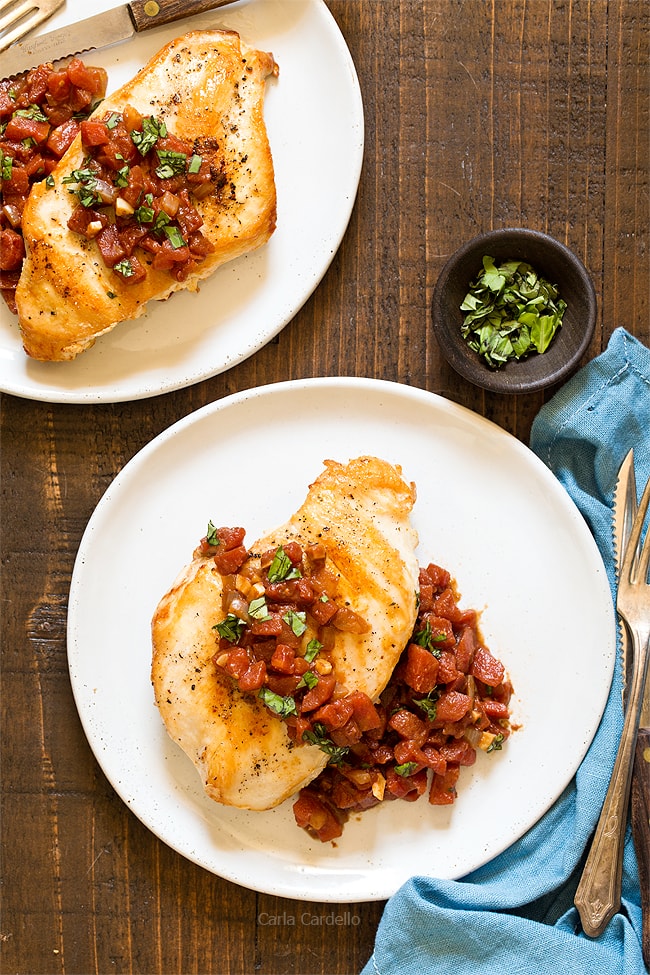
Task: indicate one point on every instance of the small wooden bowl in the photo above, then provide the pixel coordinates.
(553, 261)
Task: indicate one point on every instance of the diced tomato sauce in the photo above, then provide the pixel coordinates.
(40, 115)
(148, 181)
(447, 697)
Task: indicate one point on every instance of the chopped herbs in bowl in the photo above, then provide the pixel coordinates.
(514, 310)
(511, 312)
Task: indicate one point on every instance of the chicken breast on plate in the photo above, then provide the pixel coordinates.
(359, 513)
(205, 89)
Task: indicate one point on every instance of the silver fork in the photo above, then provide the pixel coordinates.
(18, 17)
(598, 896)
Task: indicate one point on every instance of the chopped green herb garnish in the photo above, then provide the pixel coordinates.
(111, 294)
(124, 267)
(258, 609)
(309, 679)
(49, 181)
(6, 165)
(145, 139)
(34, 112)
(282, 567)
(283, 706)
(314, 647)
(510, 312)
(113, 120)
(496, 743)
(194, 164)
(211, 536)
(171, 163)
(428, 705)
(86, 183)
(426, 639)
(145, 213)
(231, 628)
(408, 768)
(174, 236)
(296, 620)
(318, 736)
(121, 177)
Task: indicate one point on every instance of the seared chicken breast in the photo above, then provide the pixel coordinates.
(360, 512)
(208, 88)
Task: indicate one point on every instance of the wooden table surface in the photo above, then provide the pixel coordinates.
(478, 115)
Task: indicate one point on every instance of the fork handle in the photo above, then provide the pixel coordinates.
(641, 830)
(598, 896)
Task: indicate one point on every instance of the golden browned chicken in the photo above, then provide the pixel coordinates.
(197, 105)
(357, 517)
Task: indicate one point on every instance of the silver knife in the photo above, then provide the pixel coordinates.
(625, 505)
(102, 30)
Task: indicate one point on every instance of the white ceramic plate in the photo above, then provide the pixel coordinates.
(314, 118)
(487, 509)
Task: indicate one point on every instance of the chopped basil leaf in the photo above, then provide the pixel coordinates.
(309, 679)
(495, 745)
(145, 139)
(113, 120)
(144, 214)
(283, 706)
(86, 183)
(194, 164)
(211, 536)
(318, 736)
(296, 620)
(429, 706)
(34, 112)
(161, 221)
(510, 312)
(174, 236)
(282, 568)
(6, 165)
(49, 181)
(408, 768)
(426, 639)
(121, 177)
(314, 647)
(231, 628)
(124, 267)
(258, 609)
(171, 163)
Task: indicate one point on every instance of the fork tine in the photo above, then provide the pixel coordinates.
(19, 17)
(6, 4)
(15, 13)
(637, 559)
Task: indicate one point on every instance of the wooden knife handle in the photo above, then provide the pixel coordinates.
(155, 13)
(641, 829)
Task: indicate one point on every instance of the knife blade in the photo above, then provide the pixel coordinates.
(101, 30)
(625, 505)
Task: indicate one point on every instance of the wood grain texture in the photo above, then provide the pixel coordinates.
(478, 115)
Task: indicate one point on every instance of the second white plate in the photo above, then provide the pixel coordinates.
(487, 509)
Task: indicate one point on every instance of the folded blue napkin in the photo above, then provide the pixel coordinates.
(515, 915)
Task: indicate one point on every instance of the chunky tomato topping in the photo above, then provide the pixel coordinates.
(141, 185)
(447, 697)
(40, 115)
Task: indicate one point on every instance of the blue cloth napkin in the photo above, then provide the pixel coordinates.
(515, 915)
